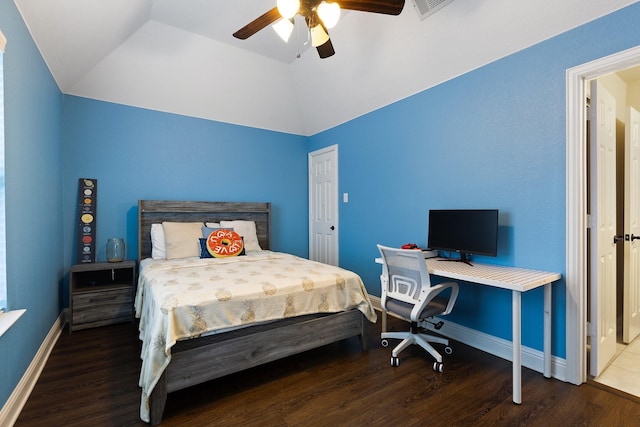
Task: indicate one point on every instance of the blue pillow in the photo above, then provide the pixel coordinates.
(204, 252)
(208, 230)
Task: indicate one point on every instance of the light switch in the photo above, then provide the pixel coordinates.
(345, 197)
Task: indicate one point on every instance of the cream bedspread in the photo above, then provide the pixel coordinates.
(186, 298)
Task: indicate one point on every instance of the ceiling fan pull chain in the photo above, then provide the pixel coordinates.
(308, 31)
(298, 55)
(298, 39)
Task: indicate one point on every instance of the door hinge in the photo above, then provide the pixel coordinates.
(589, 331)
(590, 221)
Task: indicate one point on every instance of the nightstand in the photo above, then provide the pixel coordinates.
(101, 294)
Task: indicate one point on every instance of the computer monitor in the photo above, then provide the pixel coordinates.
(465, 231)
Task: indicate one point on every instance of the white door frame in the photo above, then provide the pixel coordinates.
(576, 214)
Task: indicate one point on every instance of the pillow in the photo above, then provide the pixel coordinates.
(158, 246)
(204, 252)
(246, 229)
(206, 230)
(181, 239)
(221, 243)
(209, 228)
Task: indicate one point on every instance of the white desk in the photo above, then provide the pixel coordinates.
(517, 280)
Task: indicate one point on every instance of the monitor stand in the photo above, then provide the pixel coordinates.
(464, 257)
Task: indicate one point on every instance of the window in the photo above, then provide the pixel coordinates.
(3, 263)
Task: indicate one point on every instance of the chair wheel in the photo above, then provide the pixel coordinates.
(384, 343)
(448, 350)
(438, 367)
(395, 361)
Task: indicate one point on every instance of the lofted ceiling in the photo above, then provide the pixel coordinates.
(179, 56)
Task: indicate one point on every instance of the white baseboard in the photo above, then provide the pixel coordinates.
(15, 403)
(531, 358)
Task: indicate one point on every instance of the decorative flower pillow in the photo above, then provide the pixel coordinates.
(222, 243)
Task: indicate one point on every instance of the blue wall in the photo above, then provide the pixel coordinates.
(142, 154)
(493, 138)
(33, 198)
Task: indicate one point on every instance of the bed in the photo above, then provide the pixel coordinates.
(193, 333)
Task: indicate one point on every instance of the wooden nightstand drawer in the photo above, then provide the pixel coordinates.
(101, 294)
(102, 307)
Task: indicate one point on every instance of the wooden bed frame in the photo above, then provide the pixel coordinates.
(203, 359)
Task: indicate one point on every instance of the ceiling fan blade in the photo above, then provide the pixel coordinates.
(326, 50)
(257, 24)
(388, 7)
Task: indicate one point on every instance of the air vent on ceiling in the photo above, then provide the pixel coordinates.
(425, 8)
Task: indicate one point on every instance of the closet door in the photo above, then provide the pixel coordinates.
(631, 315)
(323, 205)
(603, 227)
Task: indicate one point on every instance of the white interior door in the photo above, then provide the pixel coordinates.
(631, 305)
(323, 205)
(603, 232)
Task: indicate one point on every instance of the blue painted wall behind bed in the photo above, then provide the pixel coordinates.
(142, 154)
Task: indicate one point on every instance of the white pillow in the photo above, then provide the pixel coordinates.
(182, 239)
(247, 229)
(158, 245)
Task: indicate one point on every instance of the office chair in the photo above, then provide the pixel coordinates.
(407, 293)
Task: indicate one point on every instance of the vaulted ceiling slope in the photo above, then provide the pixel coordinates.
(180, 56)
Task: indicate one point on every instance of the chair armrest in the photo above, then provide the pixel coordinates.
(384, 281)
(434, 291)
(454, 295)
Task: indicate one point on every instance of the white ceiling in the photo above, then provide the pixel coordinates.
(179, 56)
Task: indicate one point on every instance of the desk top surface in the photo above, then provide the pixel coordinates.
(514, 278)
(499, 276)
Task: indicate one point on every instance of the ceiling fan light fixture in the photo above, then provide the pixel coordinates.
(284, 28)
(288, 8)
(329, 13)
(318, 36)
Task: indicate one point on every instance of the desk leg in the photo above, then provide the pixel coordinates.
(516, 344)
(547, 330)
(383, 316)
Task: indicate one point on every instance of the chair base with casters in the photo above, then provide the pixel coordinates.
(415, 337)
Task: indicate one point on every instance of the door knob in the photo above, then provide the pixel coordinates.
(333, 228)
(620, 238)
(634, 237)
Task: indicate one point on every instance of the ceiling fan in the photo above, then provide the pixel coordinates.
(320, 15)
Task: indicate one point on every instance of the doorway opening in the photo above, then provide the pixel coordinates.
(613, 196)
(577, 202)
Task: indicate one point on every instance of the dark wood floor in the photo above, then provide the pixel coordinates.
(91, 380)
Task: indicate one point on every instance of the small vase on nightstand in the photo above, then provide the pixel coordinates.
(115, 250)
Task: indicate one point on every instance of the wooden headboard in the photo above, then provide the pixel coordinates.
(157, 211)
